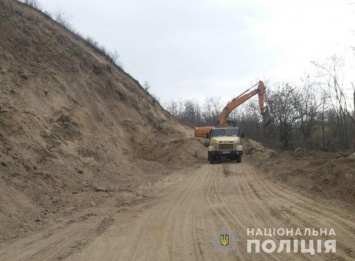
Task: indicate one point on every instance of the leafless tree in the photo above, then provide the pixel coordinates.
(329, 73)
(192, 113)
(308, 105)
(61, 18)
(114, 57)
(173, 108)
(211, 110)
(286, 106)
(146, 86)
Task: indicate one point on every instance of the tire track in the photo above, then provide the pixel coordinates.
(180, 222)
(187, 209)
(232, 218)
(274, 220)
(180, 211)
(265, 218)
(242, 196)
(156, 216)
(278, 193)
(219, 214)
(256, 199)
(305, 212)
(312, 213)
(337, 216)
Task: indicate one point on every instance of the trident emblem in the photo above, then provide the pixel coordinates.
(224, 240)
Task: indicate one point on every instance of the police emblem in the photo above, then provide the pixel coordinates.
(224, 240)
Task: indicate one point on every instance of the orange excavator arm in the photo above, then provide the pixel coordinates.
(200, 132)
(243, 98)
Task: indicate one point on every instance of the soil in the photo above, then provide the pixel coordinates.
(74, 128)
(177, 217)
(325, 175)
(93, 168)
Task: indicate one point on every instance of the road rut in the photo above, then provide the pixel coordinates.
(182, 214)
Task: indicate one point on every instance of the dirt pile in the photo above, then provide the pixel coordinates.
(75, 130)
(325, 175)
(255, 150)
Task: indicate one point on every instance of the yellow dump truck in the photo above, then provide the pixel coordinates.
(225, 144)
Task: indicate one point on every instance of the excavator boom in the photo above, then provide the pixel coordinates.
(201, 132)
(232, 105)
(243, 98)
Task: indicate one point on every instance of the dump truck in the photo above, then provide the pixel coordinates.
(223, 140)
(224, 143)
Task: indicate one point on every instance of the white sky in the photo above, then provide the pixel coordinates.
(203, 48)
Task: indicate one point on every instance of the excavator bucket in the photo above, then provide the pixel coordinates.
(267, 118)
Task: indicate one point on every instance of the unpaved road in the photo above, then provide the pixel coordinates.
(180, 216)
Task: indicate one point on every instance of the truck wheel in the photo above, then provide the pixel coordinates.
(239, 159)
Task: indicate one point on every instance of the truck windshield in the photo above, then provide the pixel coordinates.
(225, 132)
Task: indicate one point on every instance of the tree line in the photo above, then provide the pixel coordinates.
(314, 113)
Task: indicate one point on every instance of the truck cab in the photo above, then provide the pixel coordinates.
(225, 144)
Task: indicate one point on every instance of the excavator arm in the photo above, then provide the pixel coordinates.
(243, 98)
(200, 132)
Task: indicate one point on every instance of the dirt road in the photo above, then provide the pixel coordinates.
(177, 218)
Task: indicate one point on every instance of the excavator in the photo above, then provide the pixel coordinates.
(224, 139)
(200, 132)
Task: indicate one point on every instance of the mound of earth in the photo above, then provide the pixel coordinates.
(254, 149)
(326, 175)
(75, 129)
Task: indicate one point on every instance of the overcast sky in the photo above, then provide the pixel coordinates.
(203, 48)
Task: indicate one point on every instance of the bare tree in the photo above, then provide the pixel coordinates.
(114, 57)
(146, 86)
(212, 110)
(329, 73)
(249, 120)
(173, 108)
(61, 18)
(308, 106)
(285, 103)
(192, 113)
(326, 132)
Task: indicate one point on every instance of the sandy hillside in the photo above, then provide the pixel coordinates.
(74, 128)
